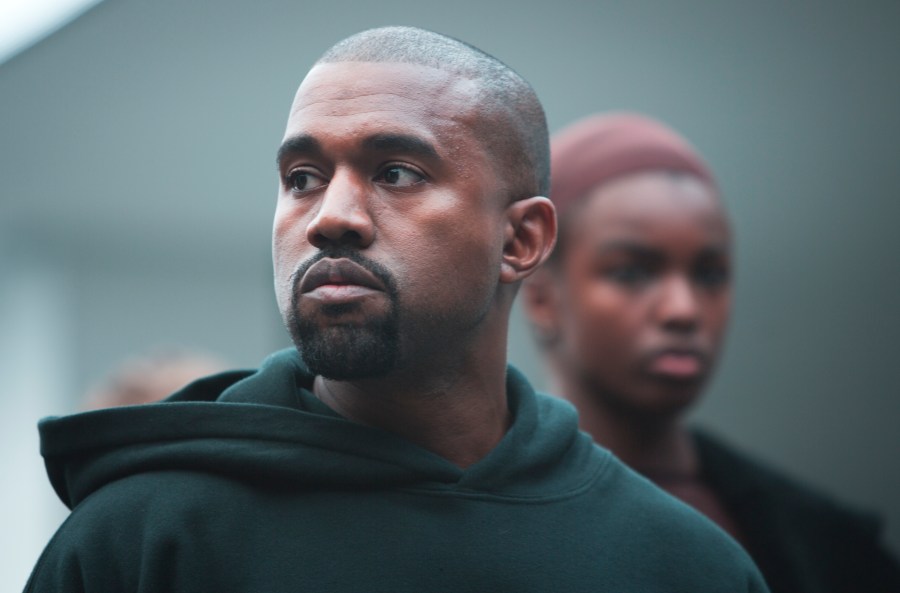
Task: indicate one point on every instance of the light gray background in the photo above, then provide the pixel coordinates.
(137, 187)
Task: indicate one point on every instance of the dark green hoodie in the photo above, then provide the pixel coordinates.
(245, 482)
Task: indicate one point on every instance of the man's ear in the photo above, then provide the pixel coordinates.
(528, 239)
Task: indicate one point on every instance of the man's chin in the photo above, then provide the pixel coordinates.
(346, 354)
(342, 368)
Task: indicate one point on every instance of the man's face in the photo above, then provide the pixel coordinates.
(645, 291)
(387, 237)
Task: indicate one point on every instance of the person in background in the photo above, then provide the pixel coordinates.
(630, 312)
(151, 377)
(392, 448)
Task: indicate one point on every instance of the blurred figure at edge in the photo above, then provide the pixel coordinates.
(151, 377)
(630, 312)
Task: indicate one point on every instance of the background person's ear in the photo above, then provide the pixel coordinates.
(529, 237)
(541, 302)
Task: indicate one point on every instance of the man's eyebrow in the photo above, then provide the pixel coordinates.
(304, 143)
(401, 143)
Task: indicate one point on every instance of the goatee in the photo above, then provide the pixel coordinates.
(347, 351)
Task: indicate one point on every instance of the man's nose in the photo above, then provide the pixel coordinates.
(679, 308)
(343, 217)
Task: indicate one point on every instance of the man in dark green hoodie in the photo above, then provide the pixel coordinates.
(393, 449)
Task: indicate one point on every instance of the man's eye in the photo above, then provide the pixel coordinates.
(399, 176)
(300, 181)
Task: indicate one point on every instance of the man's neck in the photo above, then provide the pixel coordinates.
(461, 417)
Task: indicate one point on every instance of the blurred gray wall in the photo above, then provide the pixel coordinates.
(137, 187)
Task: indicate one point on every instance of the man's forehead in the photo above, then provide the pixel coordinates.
(344, 86)
(356, 100)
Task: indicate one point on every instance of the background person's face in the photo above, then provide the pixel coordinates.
(382, 159)
(645, 292)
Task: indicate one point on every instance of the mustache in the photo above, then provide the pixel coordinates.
(375, 268)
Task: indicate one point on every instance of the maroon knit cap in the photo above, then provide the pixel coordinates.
(600, 147)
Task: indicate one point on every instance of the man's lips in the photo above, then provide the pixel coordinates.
(336, 278)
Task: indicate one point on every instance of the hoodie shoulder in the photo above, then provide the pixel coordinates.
(147, 532)
(634, 509)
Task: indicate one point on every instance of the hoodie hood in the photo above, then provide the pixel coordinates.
(266, 427)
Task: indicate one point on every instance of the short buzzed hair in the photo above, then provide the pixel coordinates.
(520, 142)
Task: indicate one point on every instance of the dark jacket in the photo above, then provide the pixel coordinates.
(803, 541)
(245, 482)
